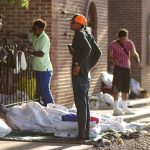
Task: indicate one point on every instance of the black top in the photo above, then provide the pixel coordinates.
(86, 51)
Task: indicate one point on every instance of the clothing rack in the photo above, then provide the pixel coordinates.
(15, 87)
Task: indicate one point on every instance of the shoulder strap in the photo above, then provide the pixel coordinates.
(125, 50)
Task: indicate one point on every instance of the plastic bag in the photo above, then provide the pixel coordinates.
(107, 79)
(135, 87)
(4, 128)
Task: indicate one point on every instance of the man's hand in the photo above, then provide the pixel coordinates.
(76, 70)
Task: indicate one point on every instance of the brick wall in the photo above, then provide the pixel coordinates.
(20, 20)
(54, 12)
(145, 81)
(65, 35)
(127, 14)
(17, 20)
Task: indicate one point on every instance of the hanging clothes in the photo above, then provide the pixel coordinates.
(21, 63)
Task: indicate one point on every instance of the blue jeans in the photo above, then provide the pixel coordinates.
(80, 90)
(43, 81)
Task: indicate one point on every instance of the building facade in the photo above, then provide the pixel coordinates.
(56, 12)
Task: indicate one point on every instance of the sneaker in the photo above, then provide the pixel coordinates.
(128, 112)
(118, 112)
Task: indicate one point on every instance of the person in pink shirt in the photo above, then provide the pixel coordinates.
(120, 51)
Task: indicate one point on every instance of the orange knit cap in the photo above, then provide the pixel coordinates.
(81, 20)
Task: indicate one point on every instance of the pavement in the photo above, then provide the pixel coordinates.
(141, 107)
(13, 145)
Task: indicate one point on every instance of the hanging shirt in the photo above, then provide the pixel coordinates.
(41, 43)
(121, 54)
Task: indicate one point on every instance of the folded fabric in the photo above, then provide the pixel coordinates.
(4, 128)
(73, 117)
(94, 119)
(66, 125)
(69, 117)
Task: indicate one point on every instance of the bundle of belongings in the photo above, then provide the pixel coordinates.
(100, 101)
(56, 119)
(106, 82)
(136, 90)
(4, 128)
(59, 120)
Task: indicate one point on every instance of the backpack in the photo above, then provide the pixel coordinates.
(95, 52)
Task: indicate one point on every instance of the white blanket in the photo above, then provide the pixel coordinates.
(36, 118)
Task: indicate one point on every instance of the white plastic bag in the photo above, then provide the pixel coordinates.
(108, 99)
(135, 87)
(66, 125)
(23, 61)
(4, 128)
(107, 79)
(94, 102)
(29, 117)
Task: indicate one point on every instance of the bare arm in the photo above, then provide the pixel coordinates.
(36, 53)
(136, 56)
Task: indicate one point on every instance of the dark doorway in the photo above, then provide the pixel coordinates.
(92, 19)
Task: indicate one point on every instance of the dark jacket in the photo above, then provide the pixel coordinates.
(86, 51)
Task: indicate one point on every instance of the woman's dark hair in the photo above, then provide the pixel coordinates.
(39, 23)
(122, 33)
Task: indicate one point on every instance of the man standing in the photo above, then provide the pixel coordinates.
(85, 54)
(119, 54)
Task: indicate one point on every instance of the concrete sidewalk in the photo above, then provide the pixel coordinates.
(13, 145)
(140, 107)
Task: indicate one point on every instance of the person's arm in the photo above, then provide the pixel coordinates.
(134, 53)
(137, 58)
(36, 53)
(44, 48)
